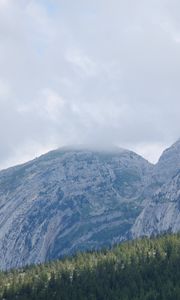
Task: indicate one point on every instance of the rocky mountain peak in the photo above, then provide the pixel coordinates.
(68, 200)
(168, 164)
(162, 208)
(72, 199)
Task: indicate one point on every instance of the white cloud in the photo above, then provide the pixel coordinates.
(4, 3)
(5, 90)
(151, 151)
(26, 152)
(82, 62)
(94, 72)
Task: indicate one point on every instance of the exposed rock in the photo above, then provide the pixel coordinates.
(71, 199)
(68, 200)
(162, 208)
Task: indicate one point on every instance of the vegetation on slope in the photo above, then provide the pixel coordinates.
(146, 269)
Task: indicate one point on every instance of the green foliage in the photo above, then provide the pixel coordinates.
(147, 269)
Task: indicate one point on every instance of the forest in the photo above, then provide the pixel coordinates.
(145, 269)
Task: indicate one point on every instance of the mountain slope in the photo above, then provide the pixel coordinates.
(162, 208)
(71, 200)
(68, 200)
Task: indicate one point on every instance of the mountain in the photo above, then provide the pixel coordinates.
(168, 164)
(71, 200)
(68, 200)
(162, 208)
(143, 269)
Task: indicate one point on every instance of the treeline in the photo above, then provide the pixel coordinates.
(147, 269)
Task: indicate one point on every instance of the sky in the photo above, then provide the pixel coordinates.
(95, 72)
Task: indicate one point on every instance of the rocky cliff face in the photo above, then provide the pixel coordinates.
(70, 200)
(162, 206)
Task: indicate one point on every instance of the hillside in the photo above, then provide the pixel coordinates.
(146, 269)
(162, 211)
(71, 200)
(68, 200)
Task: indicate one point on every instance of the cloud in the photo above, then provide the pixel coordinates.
(5, 90)
(3, 3)
(83, 63)
(94, 72)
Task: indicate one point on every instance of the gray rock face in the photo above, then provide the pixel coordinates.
(68, 200)
(169, 164)
(161, 211)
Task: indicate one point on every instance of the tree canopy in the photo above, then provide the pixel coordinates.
(146, 269)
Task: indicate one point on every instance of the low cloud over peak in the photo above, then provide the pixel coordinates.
(96, 73)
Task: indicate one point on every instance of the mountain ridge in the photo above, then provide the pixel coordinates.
(78, 148)
(74, 200)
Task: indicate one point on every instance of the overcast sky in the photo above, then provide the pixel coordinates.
(96, 72)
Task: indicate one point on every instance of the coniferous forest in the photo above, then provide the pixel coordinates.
(145, 269)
